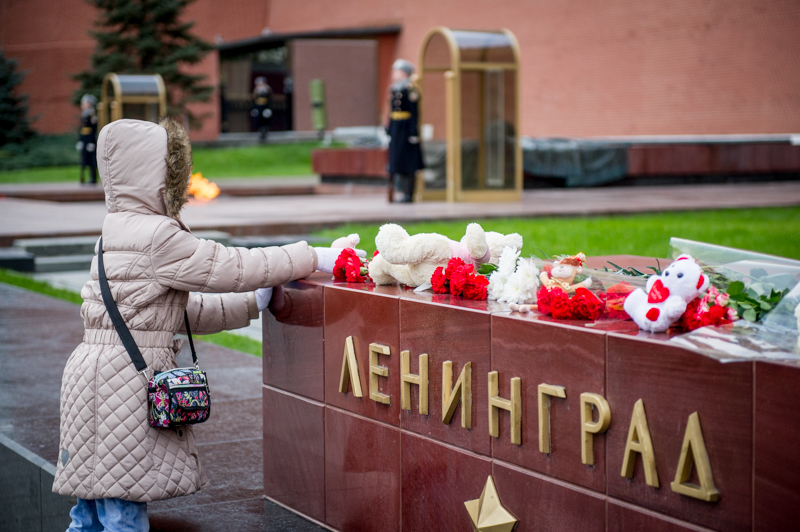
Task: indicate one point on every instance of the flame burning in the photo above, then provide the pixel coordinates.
(201, 188)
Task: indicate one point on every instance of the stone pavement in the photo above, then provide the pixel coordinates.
(37, 335)
(20, 218)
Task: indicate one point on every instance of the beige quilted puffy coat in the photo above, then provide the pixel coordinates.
(153, 262)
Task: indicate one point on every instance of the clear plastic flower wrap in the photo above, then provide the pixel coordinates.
(610, 287)
(764, 290)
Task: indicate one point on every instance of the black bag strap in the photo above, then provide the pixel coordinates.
(119, 323)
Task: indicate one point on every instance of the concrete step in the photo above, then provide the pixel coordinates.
(63, 263)
(53, 247)
(265, 241)
(84, 245)
(16, 259)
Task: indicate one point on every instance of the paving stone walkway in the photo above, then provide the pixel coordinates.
(37, 335)
(20, 218)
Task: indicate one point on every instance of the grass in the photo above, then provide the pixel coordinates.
(271, 160)
(772, 230)
(23, 281)
(224, 339)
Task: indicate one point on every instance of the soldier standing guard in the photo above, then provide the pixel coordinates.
(87, 139)
(405, 155)
(262, 106)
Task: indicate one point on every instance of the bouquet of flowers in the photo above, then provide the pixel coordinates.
(515, 280)
(351, 268)
(584, 305)
(459, 279)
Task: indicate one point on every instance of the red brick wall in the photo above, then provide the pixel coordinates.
(51, 42)
(620, 67)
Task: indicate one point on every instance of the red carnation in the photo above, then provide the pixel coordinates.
(438, 281)
(476, 287)
(561, 307)
(585, 305)
(459, 278)
(452, 265)
(544, 300)
(353, 269)
(340, 267)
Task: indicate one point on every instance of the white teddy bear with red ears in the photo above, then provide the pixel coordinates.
(667, 295)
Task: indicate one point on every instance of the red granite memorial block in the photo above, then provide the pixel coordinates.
(449, 334)
(294, 452)
(437, 480)
(367, 317)
(626, 518)
(543, 504)
(362, 473)
(554, 354)
(777, 447)
(674, 383)
(293, 342)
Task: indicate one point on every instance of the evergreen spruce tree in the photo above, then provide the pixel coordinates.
(147, 37)
(14, 124)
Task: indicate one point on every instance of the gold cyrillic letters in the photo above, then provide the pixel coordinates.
(513, 405)
(375, 371)
(546, 391)
(407, 379)
(639, 442)
(350, 369)
(589, 427)
(451, 394)
(693, 453)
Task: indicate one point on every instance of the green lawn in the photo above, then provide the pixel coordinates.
(772, 230)
(271, 160)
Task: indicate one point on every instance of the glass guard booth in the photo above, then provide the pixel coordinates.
(470, 116)
(144, 97)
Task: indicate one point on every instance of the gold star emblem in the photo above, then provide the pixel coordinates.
(487, 514)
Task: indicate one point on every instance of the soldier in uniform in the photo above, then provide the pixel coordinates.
(87, 139)
(405, 155)
(262, 106)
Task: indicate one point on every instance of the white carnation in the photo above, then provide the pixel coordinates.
(508, 261)
(496, 282)
(529, 273)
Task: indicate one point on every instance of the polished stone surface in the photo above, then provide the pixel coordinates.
(626, 518)
(458, 336)
(437, 480)
(777, 447)
(362, 473)
(674, 383)
(294, 452)
(540, 504)
(555, 354)
(368, 318)
(293, 346)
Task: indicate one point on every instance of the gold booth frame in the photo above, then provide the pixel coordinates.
(452, 75)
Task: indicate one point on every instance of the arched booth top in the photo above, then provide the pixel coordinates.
(446, 49)
(145, 90)
(469, 116)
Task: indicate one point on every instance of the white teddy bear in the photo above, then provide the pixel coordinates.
(411, 260)
(667, 295)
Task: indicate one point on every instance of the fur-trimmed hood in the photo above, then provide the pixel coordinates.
(145, 167)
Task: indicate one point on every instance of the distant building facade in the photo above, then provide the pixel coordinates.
(588, 69)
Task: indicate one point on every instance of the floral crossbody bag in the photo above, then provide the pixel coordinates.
(175, 397)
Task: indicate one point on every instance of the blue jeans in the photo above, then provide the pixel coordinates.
(111, 515)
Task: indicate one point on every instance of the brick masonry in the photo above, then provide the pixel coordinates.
(626, 68)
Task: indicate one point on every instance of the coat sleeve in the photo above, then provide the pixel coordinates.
(212, 313)
(183, 262)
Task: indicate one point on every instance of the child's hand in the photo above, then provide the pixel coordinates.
(326, 257)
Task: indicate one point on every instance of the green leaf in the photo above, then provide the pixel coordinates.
(735, 288)
(765, 306)
(749, 315)
(487, 268)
